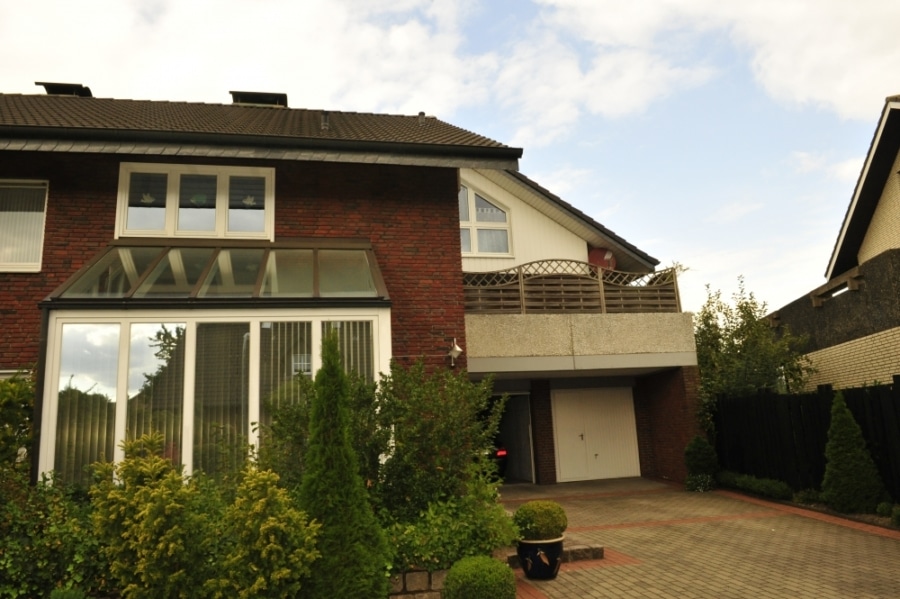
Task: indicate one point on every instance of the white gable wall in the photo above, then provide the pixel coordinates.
(533, 236)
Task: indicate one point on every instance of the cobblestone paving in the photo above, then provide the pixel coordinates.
(663, 542)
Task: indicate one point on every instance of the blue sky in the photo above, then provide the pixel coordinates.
(725, 136)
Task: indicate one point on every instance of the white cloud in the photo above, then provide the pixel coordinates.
(847, 170)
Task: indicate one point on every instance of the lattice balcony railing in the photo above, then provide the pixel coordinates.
(562, 286)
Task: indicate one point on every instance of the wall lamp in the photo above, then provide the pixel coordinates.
(455, 352)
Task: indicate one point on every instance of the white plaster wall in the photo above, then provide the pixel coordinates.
(533, 236)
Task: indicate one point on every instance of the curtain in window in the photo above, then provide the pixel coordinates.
(356, 345)
(21, 224)
(221, 403)
(86, 417)
(156, 384)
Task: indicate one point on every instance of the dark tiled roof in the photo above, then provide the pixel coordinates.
(98, 117)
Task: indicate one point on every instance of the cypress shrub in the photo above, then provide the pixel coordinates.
(355, 557)
(851, 482)
(702, 464)
(480, 577)
(700, 457)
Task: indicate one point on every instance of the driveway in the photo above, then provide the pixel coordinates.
(661, 541)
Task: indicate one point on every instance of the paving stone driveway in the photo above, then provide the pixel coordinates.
(661, 541)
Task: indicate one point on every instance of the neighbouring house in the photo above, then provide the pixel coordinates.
(853, 320)
(173, 266)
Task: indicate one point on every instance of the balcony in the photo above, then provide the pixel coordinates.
(569, 286)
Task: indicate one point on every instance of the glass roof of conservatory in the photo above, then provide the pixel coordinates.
(152, 271)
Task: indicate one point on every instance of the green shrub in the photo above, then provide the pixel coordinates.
(474, 524)
(807, 496)
(333, 493)
(159, 532)
(170, 537)
(884, 509)
(67, 594)
(764, 487)
(699, 483)
(700, 457)
(16, 409)
(852, 483)
(46, 539)
(480, 577)
(271, 546)
(443, 423)
(540, 519)
(895, 515)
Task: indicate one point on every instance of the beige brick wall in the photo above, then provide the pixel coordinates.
(884, 230)
(864, 361)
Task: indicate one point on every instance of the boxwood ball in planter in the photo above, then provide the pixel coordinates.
(541, 524)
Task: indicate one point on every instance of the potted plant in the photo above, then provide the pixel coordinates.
(541, 526)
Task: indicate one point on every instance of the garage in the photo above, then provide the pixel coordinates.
(595, 434)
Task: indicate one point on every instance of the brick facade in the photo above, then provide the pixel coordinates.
(544, 449)
(409, 214)
(665, 407)
(870, 360)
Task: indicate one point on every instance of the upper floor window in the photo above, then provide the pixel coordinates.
(22, 208)
(483, 225)
(171, 200)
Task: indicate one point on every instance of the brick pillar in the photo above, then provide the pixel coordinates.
(542, 433)
(665, 405)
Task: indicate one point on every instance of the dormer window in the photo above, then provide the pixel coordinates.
(169, 200)
(483, 224)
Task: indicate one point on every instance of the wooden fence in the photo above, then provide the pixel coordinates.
(783, 436)
(561, 286)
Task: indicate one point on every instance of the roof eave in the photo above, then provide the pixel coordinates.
(58, 139)
(601, 231)
(872, 178)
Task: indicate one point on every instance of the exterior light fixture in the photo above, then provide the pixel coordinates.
(455, 352)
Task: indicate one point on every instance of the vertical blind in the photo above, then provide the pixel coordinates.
(22, 224)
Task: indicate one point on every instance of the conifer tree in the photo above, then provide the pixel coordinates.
(355, 557)
(852, 483)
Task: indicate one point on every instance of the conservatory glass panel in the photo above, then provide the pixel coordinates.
(176, 274)
(285, 358)
(289, 273)
(345, 273)
(356, 344)
(156, 384)
(86, 417)
(233, 274)
(114, 274)
(221, 402)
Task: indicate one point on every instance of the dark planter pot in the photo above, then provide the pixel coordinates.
(540, 559)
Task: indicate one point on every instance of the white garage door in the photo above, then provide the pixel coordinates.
(595, 434)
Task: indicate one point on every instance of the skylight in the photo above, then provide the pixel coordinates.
(201, 271)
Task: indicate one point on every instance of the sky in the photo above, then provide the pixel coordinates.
(724, 136)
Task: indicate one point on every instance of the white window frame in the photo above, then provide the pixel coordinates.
(31, 184)
(381, 341)
(174, 173)
(474, 225)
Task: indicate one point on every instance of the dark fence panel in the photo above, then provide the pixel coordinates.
(783, 437)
